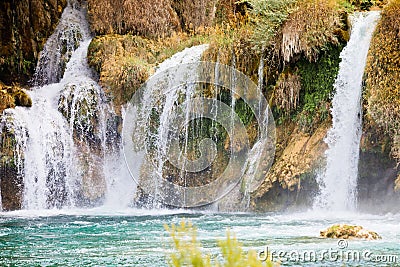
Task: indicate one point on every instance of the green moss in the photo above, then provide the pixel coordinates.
(317, 81)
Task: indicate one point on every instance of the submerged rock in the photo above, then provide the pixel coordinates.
(344, 231)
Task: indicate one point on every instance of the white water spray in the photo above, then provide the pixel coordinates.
(338, 183)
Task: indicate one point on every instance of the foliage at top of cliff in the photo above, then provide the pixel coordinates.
(149, 18)
(383, 75)
(293, 27)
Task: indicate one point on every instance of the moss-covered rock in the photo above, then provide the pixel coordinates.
(344, 231)
(12, 96)
(80, 105)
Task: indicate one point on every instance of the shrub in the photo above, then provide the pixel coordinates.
(188, 250)
(267, 17)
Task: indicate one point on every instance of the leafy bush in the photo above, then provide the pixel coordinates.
(267, 17)
(188, 250)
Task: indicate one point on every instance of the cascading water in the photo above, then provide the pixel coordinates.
(60, 45)
(184, 141)
(170, 98)
(51, 172)
(64, 136)
(338, 183)
(69, 155)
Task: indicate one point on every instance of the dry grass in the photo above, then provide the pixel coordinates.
(147, 18)
(383, 75)
(6, 101)
(309, 29)
(195, 14)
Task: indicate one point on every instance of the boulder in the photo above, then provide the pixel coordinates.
(344, 231)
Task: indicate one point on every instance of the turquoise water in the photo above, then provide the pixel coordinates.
(134, 237)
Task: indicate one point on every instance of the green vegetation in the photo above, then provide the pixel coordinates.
(298, 40)
(382, 95)
(317, 88)
(267, 17)
(188, 250)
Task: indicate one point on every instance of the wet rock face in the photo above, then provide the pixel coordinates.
(11, 185)
(24, 27)
(376, 183)
(291, 184)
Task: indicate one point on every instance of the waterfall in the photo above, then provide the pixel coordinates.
(183, 139)
(57, 51)
(157, 100)
(69, 157)
(338, 182)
